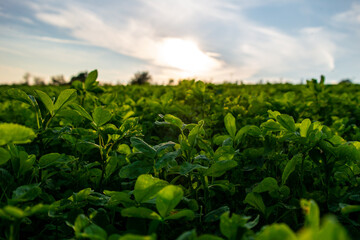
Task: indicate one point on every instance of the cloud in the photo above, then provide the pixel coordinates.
(239, 47)
(352, 16)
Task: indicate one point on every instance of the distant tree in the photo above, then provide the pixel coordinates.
(26, 78)
(80, 77)
(141, 78)
(58, 80)
(345, 81)
(39, 81)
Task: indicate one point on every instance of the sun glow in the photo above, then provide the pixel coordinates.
(185, 55)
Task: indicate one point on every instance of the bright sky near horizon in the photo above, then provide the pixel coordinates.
(212, 40)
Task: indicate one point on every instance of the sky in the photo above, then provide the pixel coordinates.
(210, 40)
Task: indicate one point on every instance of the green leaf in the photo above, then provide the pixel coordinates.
(229, 225)
(143, 147)
(4, 156)
(290, 167)
(140, 212)
(278, 231)
(166, 158)
(215, 215)
(287, 122)
(81, 111)
(117, 198)
(64, 98)
(271, 125)
(312, 213)
(81, 222)
(94, 232)
(51, 159)
(304, 127)
(19, 95)
(26, 193)
(331, 229)
(101, 116)
(14, 211)
(15, 133)
(146, 187)
(219, 168)
(167, 199)
(266, 185)
(187, 167)
(184, 214)
(135, 169)
(46, 100)
(90, 80)
(174, 120)
(130, 236)
(255, 200)
(346, 208)
(230, 124)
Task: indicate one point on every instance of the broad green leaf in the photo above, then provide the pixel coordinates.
(331, 229)
(229, 225)
(82, 195)
(276, 231)
(101, 116)
(26, 193)
(4, 156)
(208, 237)
(266, 185)
(187, 167)
(271, 125)
(14, 211)
(215, 215)
(46, 100)
(123, 149)
(230, 124)
(346, 208)
(167, 199)
(195, 132)
(290, 167)
(304, 127)
(135, 169)
(90, 80)
(255, 200)
(273, 114)
(50, 159)
(219, 168)
(185, 214)
(15, 133)
(218, 140)
(174, 120)
(140, 212)
(131, 236)
(287, 122)
(312, 213)
(146, 187)
(143, 147)
(81, 111)
(166, 158)
(117, 198)
(64, 98)
(19, 95)
(81, 222)
(94, 232)
(224, 153)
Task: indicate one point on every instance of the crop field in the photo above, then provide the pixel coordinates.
(191, 161)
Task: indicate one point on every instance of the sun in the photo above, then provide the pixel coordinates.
(185, 55)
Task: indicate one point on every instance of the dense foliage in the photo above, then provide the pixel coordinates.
(193, 161)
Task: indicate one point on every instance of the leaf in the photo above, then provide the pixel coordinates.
(271, 125)
(230, 124)
(167, 199)
(90, 80)
(143, 147)
(331, 229)
(184, 214)
(229, 225)
(64, 98)
(101, 116)
(135, 169)
(4, 156)
(15, 133)
(277, 231)
(312, 213)
(304, 127)
(187, 167)
(26, 193)
(94, 232)
(81, 111)
(287, 122)
(19, 95)
(255, 200)
(131, 236)
(214, 215)
(346, 208)
(117, 198)
(46, 100)
(140, 212)
(268, 184)
(50, 159)
(174, 121)
(166, 158)
(146, 187)
(290, 167)
(14, 211)
(219, 168)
